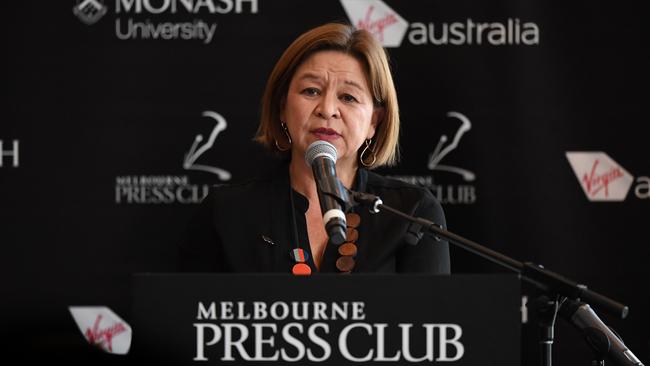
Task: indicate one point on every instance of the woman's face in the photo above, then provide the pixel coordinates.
(328, 99)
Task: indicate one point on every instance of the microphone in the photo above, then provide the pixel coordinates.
(333, 196)
(598, 335)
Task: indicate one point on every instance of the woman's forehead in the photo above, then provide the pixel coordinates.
(323, 66)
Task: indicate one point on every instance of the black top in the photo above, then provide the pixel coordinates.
(248, 227)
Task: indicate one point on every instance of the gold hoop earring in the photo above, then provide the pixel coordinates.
(286, 132)
(374, 157)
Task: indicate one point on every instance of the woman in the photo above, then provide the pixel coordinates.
(333, 83)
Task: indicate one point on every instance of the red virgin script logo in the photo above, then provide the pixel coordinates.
(601, 178)
(376, 27)
(595, 182)
(104, 336)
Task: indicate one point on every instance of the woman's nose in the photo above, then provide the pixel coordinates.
(328, 107)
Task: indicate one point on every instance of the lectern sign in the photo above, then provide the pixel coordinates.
(217, 319)
(295, 341)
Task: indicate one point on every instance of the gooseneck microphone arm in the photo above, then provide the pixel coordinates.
(547, 281)
(551, 283)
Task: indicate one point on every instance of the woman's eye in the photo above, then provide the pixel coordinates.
(311, 91)
(348, 98)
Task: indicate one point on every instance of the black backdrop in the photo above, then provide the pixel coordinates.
(99, 174)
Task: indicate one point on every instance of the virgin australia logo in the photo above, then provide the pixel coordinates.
(601, 178)
(390, 28)
(199, 149)
(103, 328)
(89, 11)
(377, 18)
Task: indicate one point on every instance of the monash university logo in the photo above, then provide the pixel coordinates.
(89, 11)
(166, 20)
(10, 153)
(603, 179)
(390, 28)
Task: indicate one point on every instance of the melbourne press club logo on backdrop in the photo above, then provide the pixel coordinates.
(169, 189)
(458, 187)
(603, 179)
(141, 19)
(390, 28)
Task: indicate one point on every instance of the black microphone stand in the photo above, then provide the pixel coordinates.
(558, 289)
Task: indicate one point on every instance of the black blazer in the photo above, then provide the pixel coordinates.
(248, 227)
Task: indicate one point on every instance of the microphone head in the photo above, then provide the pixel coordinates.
(320, 148)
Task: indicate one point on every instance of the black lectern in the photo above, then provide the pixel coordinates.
(326, 319)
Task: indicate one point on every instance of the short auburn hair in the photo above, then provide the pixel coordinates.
(358, 43)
